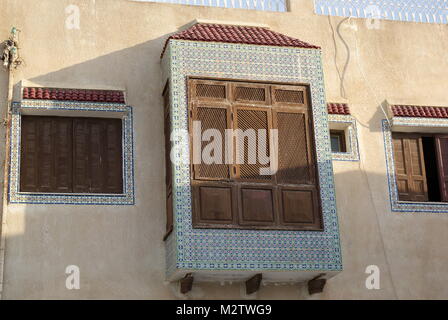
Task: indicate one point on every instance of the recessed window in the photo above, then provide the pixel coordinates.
(421, 166)
(71, 155)
(337, 138)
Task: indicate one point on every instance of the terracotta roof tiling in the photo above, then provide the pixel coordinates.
(338, 108)
(419, 111)
(111, 96)
(237, 34)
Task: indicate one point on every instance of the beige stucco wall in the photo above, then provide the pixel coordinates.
(119, 248)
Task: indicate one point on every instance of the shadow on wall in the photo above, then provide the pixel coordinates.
(135, 69)
(120, 251)
(44, 239)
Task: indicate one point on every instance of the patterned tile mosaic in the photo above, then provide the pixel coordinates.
(428, 11)
(218, 249)
(352, 144)
(127, 198)
(407, 206)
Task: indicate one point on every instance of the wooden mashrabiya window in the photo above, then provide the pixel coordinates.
(235, 194)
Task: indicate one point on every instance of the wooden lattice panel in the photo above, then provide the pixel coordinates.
(293, 154)
(250, 94)
(252, 119)
(214, 91)
(216, 119)
(289, 96)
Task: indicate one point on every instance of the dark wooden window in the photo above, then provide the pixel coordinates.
(421, 166)
(337, 139)
(235, 194)
(71, 155)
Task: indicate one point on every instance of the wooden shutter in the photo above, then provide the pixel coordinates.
(442, 162)
(213, 204)
(295, 156)
(213, 195)
(46, 154)
(45, 173)
(256, 202)
(289, 95)
(251, 119)
(81, 167)
(296, 175)
(410, 167)
(63, 154)
(29, 154)
(250, 93)
(113, 167)
(214, 117)
(206, 90)
(97, 155)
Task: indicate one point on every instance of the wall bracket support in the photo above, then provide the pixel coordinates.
(186, 283)
(316, 285)
(253, 284)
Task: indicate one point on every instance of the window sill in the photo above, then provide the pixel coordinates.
(257, 227)
(423, 202)
(71, 198)
(419, 207)
(72, 194)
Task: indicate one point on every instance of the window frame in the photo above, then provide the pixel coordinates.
(237, 184)
(348, 124)
(72, 109)
(340, 134)
(437, 158)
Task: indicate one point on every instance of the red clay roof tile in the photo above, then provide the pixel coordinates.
(237, 34)
(338, 108)
(419, 111)
(111, 96)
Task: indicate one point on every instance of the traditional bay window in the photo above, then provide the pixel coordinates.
(244, 192)
(262, 202)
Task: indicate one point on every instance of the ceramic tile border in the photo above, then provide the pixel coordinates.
(407, 206)
(15, 196)
(212, 249)
(353, 154)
